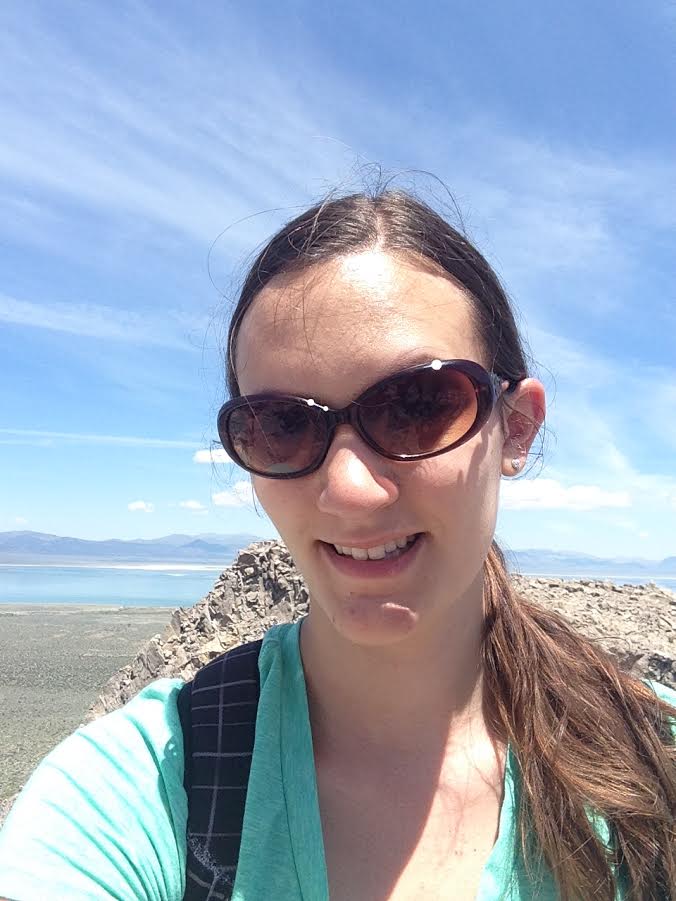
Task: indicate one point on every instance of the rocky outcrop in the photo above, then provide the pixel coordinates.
(260, 589)
(634, 623)
(6, 806)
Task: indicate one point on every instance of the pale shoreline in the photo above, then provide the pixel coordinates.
(640, 577)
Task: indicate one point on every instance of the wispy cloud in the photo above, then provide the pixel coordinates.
(212, 156)
(141, 507)
(241, 495)
(214, 455)
(604, 412)
(183, 171)
(31, 436)
(123, 143)
(95, 321)
(192, 166)
(548, 494)
(191, 505)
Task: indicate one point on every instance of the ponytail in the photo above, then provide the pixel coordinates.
(590, 741)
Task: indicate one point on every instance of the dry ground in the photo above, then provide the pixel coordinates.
(53, 661)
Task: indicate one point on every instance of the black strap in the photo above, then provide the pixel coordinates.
(218, 718)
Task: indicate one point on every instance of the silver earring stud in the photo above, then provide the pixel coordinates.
(516, 464)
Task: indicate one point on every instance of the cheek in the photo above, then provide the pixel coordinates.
(271, 494)
(461, 489)
(286, 503)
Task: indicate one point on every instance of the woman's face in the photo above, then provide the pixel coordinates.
(329, 333)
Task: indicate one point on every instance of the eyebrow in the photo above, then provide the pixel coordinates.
(415, 356)
(404, 360)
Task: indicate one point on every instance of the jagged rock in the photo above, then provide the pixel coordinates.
(634, 623)
(5, 807)
(259, 590)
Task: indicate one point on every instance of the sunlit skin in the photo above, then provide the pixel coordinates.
(329, 333)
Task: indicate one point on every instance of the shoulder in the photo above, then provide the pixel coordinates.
(105, 812)
(664, 692)
(150, 716)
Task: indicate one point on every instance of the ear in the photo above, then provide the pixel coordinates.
(523, 413)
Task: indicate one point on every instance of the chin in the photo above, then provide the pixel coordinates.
(367, 620)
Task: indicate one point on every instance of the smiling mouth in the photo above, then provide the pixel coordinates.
(390, 551)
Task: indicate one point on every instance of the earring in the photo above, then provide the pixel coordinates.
(516, 464)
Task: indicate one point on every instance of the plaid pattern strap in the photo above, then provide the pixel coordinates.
(218, 718)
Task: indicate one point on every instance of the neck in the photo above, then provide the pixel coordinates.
(390, 701)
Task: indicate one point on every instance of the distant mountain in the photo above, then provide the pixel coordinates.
(38, 547)
(210, 547)
(565, 563)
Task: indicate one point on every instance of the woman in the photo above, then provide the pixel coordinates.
(442, 738)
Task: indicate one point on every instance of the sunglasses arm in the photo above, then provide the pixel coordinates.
(502, 386)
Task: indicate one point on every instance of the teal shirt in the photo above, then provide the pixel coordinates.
(104, 815)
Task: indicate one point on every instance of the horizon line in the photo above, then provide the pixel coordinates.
(256, 538)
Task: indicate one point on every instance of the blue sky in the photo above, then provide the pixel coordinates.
(136, 135)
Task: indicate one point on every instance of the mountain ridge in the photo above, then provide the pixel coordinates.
(40, 547)
(30, 547)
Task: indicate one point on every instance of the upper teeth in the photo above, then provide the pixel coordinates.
(374, 553)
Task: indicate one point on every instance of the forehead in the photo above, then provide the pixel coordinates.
(332, 330)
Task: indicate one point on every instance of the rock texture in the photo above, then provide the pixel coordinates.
(5, 806)
(635, 623)
(260, 589)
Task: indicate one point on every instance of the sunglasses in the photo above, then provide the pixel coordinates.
(414, 414)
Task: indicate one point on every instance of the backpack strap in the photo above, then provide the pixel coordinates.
(218, 718)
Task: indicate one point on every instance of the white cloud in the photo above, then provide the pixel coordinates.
(214, 455)
(20, 520)
(549, 494)
(587, 381)
(240, 496)
(92, 320)
(545, 206)
(652, 488)
(191, 505)
(172, 161)
(142, 506)
(33, 436)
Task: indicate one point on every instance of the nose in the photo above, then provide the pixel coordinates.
(355, 480)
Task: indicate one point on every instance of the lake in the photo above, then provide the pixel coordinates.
(140, 585)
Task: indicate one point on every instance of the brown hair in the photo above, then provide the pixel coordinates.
(590, 740)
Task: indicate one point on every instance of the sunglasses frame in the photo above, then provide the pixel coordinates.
(488, 387)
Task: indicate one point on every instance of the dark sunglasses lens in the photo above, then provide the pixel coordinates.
(276, 437)
(420, 412)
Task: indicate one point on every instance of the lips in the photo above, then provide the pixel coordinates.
(390, 565)
(377, 551)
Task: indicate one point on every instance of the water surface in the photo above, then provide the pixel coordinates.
(136, 587)
(153, 585)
